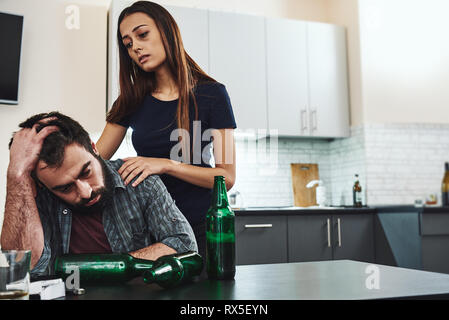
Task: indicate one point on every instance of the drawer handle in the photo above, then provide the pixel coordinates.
(339, 232)
(249, 226)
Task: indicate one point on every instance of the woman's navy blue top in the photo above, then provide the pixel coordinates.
(153, 125)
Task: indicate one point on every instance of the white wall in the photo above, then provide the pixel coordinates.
(346, 13)
(60, 69)
(405, 60)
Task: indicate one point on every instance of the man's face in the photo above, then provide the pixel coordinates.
(79, 181)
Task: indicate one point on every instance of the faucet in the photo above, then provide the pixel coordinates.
(236, 199)
(320, 192)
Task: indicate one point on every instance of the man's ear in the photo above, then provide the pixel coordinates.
(94, 147)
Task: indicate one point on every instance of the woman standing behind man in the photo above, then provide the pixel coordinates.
(175, 110)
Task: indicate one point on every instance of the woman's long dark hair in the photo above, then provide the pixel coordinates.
(135, 83)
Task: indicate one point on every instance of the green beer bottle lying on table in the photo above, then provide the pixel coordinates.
(172, 270)
(101, 267)
(220, 235)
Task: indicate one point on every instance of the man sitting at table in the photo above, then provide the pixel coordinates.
(62, 197)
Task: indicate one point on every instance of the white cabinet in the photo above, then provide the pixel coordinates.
(287, 70)
(307, 79)
(194, 27)
(328, 84)
(237, 59)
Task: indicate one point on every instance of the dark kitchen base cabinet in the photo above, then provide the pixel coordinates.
(309, 238)
(434, 228)
(260, 239)
(303, 238)
(331, 237)
(402, 236)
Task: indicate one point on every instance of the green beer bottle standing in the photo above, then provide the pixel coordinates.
(172, 270)
(220, 235)
(101, 267)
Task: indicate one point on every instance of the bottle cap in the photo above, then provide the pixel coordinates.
(78, 291)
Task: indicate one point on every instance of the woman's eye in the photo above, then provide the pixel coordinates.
(143, 35)
(128, 45)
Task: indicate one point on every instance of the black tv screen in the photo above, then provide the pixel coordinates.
(11, 42)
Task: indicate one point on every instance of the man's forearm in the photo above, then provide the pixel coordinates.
(22, 228)
(153, 252)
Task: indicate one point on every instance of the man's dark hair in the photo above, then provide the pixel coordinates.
(69, 132)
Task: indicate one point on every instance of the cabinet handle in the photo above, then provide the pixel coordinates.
(303, 120)
(328, 233)
(249, 226)
(313, 120)
(339, 232)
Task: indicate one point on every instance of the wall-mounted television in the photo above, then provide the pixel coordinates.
(11, 27)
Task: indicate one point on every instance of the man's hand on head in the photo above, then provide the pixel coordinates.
(25, 148)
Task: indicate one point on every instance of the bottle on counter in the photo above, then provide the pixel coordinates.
(357, 192)
(220, 235)
(445, 186)
(172, 270)
(101, 267)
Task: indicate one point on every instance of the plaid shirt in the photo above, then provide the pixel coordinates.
(136, 218)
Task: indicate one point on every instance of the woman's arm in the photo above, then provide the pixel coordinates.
(110, 140)
(224, 154)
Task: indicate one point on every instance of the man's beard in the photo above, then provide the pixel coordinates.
(105, 194)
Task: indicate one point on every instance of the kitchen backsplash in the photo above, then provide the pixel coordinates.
(397, 163)
(405, 162)
(337, 160)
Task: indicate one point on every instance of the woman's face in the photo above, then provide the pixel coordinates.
(142, 39)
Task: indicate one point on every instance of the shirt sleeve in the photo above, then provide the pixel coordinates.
(165, 221)
(221, 113)
(125, 122)
(43, 265)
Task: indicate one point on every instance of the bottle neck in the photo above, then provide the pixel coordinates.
(139, 266)
(161, 273)
(219, 195)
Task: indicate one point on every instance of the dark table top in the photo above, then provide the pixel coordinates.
(328, 280)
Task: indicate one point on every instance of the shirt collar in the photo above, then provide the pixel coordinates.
(116, 179)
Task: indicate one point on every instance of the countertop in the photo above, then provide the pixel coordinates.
(324, 280)
(292, 210)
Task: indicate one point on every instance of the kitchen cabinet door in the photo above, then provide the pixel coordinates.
(434, 230)
(309, 238)
(260, 239)
(194, 27)
(329, 106)
(287, 77)
(353, 237)
(237, 59)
